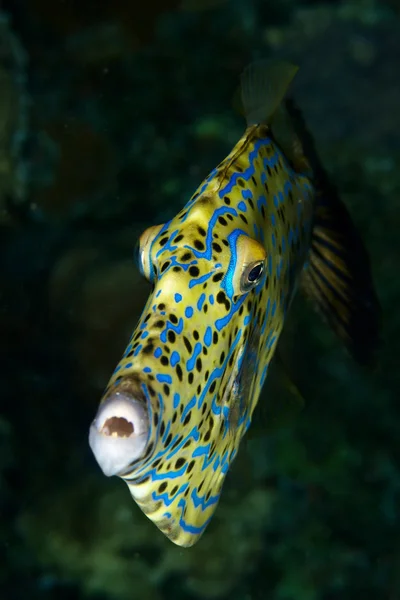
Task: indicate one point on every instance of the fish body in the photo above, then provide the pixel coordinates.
(224, 272)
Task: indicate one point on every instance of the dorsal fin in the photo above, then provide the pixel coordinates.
(263, 86)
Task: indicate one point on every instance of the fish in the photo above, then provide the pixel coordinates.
(265, 223)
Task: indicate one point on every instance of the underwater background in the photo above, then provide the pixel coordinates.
(110, 116)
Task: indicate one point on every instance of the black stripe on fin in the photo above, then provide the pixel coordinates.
(338, 275)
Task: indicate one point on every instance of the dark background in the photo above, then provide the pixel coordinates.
(110, 116)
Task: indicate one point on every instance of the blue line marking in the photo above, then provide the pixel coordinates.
(192, 360)
(163, 378)
(175, 358)
(208, 337)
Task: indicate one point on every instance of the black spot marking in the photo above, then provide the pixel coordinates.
(173, 318)
(187, 344)
(194, 271)
(222, 221)
(198, 245)
(222, 299)
(178, 238)
(201, 231)
(163, 241)
(165, 266)
(216, 247)
(187, 256)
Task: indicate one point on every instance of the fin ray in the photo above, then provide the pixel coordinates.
(263, 87)
(341, 284)
(338, 276)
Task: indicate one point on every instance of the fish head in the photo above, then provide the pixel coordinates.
(182, 396)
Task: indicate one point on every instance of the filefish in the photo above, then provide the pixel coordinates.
(265, 222)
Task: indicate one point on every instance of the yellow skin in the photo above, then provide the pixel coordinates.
(199, 356)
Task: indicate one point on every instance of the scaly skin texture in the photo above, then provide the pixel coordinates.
(200, 353)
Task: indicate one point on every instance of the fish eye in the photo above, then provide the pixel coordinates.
(251, 276)
(249, 265)
(142, 252)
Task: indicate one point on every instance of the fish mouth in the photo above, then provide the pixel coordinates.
(119, 433)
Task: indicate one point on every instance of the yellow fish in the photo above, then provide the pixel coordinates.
(224, 272)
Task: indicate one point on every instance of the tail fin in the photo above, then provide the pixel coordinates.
(338, 275)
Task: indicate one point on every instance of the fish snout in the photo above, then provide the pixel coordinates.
(119, 433)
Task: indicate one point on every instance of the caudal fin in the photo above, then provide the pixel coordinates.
(338, 274)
